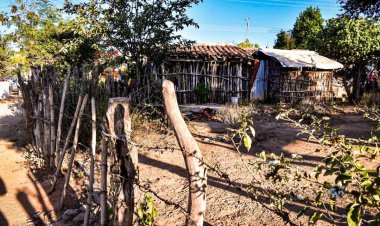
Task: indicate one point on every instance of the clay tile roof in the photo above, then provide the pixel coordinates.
(213, 51)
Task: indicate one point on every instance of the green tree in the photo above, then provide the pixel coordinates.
(4, 56)
(355, 8)
(307, 28)
(353, 42)
(42, 36)
(284, 40)
(149, 28)
(246, 44)
(34, 22)
(138, 29)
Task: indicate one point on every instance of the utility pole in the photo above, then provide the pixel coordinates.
(247, 30)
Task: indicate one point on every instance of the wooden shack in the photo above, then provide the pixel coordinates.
(293, 75)
(210, 73)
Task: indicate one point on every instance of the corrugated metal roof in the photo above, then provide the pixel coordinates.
(213, 51)
(301, 58)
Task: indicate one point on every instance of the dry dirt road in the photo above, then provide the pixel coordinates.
(21, 195)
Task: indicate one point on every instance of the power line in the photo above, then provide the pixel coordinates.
(277, 4)
(302, 2)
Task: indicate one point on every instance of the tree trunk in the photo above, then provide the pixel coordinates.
(73, 150)
(120, 127)
(193, 158)
(58, 141)
(358, 84)
(92, 156)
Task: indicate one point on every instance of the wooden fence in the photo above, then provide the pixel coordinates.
(218, 80)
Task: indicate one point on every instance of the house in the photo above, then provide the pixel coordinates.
(210, 73)
(293, 75)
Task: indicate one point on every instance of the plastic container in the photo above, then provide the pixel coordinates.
(234, 100)
(4, 90)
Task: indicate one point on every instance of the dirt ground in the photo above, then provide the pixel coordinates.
(163, 168)
(23, 194)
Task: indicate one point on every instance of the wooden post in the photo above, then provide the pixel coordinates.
(120, 127)
(92, 156)
(52, 126)
(103, 184)
(58, 141)
(62, 155)
(46, 123)
(193, 158)
(73, 150)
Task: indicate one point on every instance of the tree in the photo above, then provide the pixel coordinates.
(284, 40)
(246, 44)
(4, 56)
(307, 28)
(355, 8)
(34, 22)
(353, 42)
(138, 30)
(42, 36)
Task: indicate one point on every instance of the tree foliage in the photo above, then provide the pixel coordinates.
(355, 8)
(138, 28)
(41, 35)
(353, 42)
(34, 24)
(248, 44)
(350, 41)
(284, 40)
(4, 56)
(307, 28)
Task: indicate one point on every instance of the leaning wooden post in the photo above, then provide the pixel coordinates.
(52, 126)
(58, 141)
(196, 170)
(73, 150)
(46, 123)
(62, 155)
(92, 156)
(120, 128)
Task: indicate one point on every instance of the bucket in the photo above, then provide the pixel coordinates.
(4, 90)
(234, 100)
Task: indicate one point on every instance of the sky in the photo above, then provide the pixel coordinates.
(223, 21)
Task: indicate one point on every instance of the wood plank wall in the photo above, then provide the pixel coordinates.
(223, 78)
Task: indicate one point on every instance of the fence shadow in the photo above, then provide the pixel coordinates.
(30, 194)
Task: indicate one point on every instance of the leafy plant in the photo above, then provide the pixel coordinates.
(202, 91)
(352, 180)
(146, 212)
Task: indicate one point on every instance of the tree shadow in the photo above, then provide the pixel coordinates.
(3, 191)
(238, 188)
(37, 205)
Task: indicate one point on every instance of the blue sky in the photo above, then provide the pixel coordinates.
(223, 21)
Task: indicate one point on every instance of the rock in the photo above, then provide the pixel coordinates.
(78, 220)
(69, 214)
